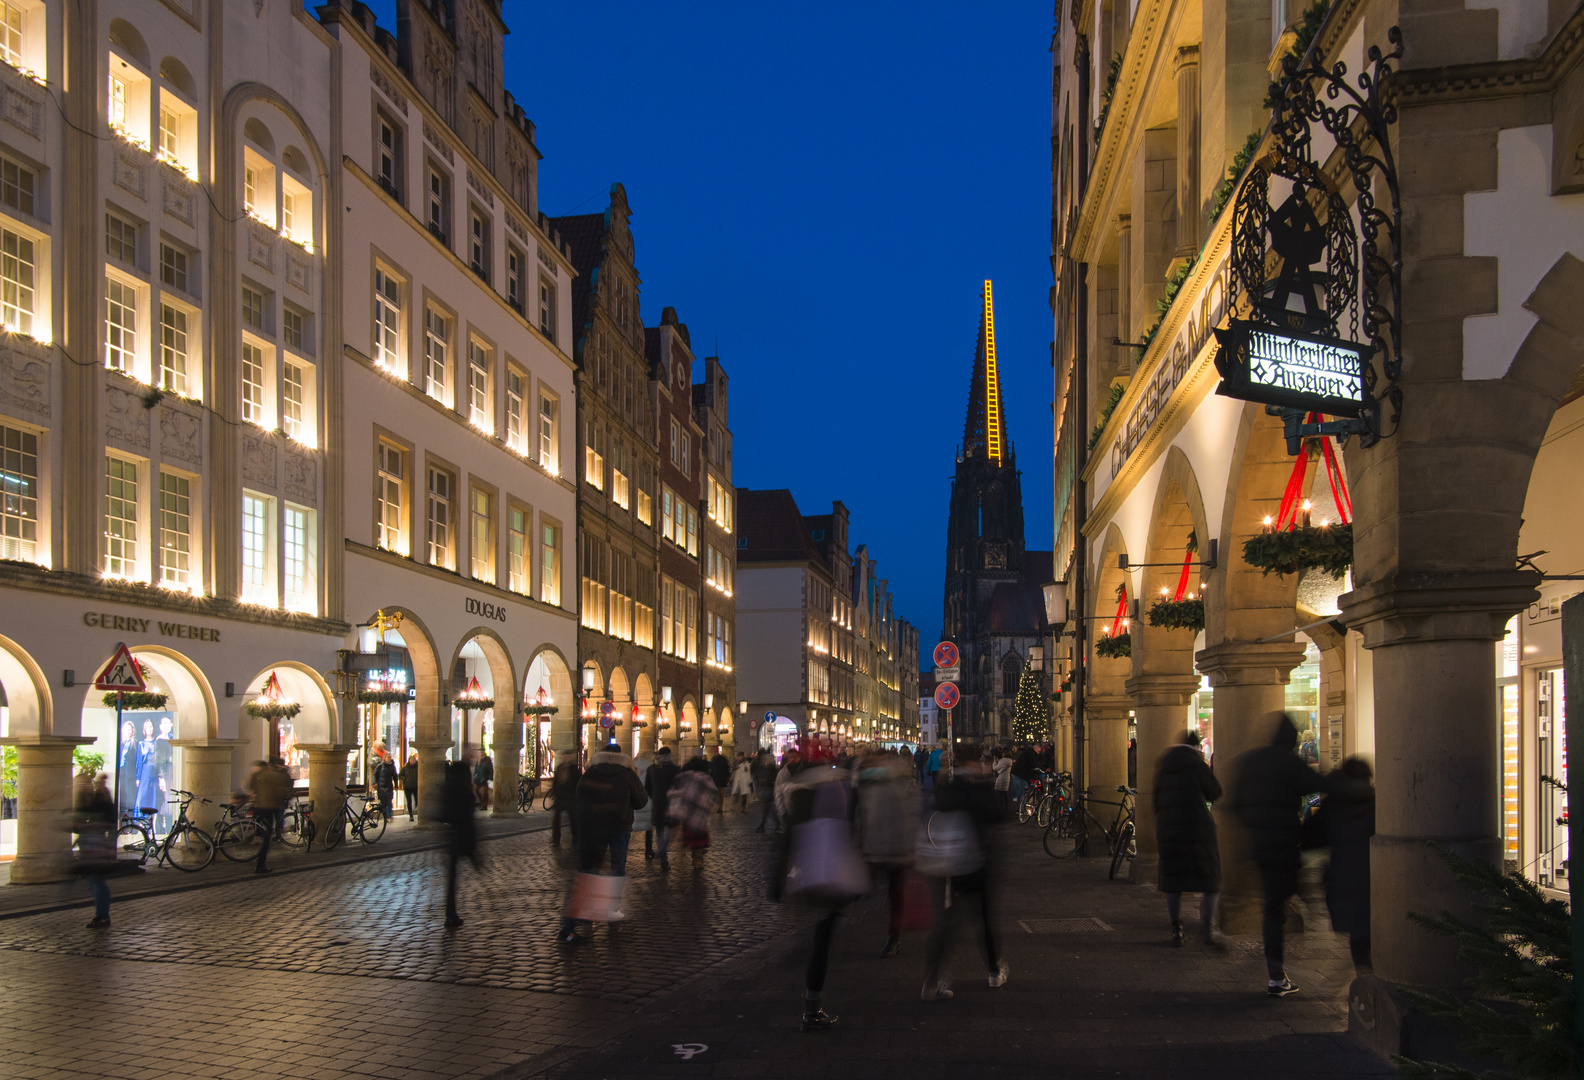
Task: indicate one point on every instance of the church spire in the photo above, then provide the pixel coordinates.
(984, 432)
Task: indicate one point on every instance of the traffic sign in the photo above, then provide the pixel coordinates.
(121, 673)
(948, 674)
(607, 716)
(770, 717)
(946, 695)
(946, 655)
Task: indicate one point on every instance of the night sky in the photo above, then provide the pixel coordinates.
(820, 191)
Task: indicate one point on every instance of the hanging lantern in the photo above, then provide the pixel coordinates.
(272, 703)
(473, 697)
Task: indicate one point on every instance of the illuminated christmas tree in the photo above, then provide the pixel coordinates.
(1031, 720)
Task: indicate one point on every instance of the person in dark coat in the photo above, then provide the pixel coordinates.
(720, 771)
(456, 810)
(1185, 834)
(661, 775)
(1267, 798)
(607, 795)
(409, 784)
(1348, 821)
(563, 788)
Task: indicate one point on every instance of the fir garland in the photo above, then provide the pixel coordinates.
(382, 697)
(1240, 163)
(1174, 285)
(1112, 401)
(1178, 614)
(135, 700)
(1292, 551)
(266, 709)
(1112, 74)
(467, 704)
(1115, 646)
(539, 710)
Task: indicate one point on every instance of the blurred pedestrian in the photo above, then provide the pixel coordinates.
(1267, 796)
(692, 799)
(765, 770)
(456, 810)
(409, 784)
(1347, 822)
(383, 775)
(1001, 769)
(563, 787)
(791, 762)
(1023, 769)
(607, 795)
(933, 768)
(1185, 833)
(888, 824)
(659, 779)
(920, 763)
(270, 787)
(720, 771)
(742, 784)
(483, 777)
(643, 817)
(970, 793)
(94, 815)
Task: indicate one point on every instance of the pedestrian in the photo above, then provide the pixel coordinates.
(790, 763)
(888, 824)
(1185, 834)
(643, 817)
(456, 810)
(409, 784)
(921, 763)
(1347, 822)
(269, 788)
(742, 784)
(691, 800)
(1023, 770)
(765, 770)
(933, 767)
(720, 771)
(607, 795)
(662, 774)
(95, 823)
(563, 786)
(483, 776)
(969, 792)
(1001, 770)
(1307, 748)
(1267, 796)
(383, 775)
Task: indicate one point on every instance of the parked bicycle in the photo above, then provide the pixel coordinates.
(238, 837)
(1070, 832)
(185, 846)
(367, 824)
(527, 788)
(1033, 792)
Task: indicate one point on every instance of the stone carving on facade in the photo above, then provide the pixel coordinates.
(126, 420)
(130, 170)
(181, 196)
(437, 69)
(480, 189)
(180, 433)
(436, 140)
(258, 458)
(517, 228)
(25, 378)
(261, 245)
(302, 474)
(547, 260)
(23, 108)
(388, 88)
(299, 267)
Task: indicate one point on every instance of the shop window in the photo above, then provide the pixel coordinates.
(550, 563)
(258, 586)
(175, 531)
(19, 483)
(387, 322)
(121, 518)
(441, 519)
(390, 487)
(299, 551)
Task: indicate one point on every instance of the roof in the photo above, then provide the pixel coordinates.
(771, 529)
(1015, 610)
(585, 239)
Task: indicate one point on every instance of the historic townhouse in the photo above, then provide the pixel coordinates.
(886, 654)
(1160, 126)
(718, 559)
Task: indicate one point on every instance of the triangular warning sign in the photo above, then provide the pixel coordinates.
(121, 673)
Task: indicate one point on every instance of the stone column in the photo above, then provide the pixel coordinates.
(508, 764)
(1190, 211)
(433, 739)
(1432, 638)
(44, 803)
(1160, 708)
(1125, 328)
(327, 772)
(1105, 726)
(209, 772)
(1249, 682)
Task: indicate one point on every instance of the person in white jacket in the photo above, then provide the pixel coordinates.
(783, 782)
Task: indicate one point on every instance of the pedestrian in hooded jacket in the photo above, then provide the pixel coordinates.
(1348, 821)
(1267, 797)
(1185, 833)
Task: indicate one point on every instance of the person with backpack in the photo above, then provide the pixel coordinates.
(607, 795)
(658, 781)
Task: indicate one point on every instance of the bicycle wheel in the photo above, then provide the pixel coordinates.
(239, 841)
(1025, 807)
(545, 803)
(336, 832)
(1047, 811)
(372, 827)
(133, 843)
(189, 848)
(1058, 845)
(1122, 849)
(290, 829)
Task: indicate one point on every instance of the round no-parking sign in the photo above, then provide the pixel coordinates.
(946, 695)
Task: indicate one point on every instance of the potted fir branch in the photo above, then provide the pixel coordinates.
(1302, 547)
(1185, 614)
(1115, 646)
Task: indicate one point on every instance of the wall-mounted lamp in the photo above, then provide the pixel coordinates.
(709, 701)
(665, 695)
(742, 708)
(588, 680)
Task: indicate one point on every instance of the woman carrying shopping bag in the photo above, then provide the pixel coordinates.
(603, 808)
(692, 800)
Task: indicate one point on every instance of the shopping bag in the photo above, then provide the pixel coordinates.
(948, 846)
(916, 914)
(824, 868)
(596, 898)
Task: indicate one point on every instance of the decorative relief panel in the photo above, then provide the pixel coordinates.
(438, 142)
(181, 196)
(299, 267)
(258, 458)
(388, 88)
(517, 228)
(261, 245)
(481, 190)
(180, 434)
(126, 420)
(25, 377)
(547, 260)
(302, 475)
(23, 107)
(130, 170)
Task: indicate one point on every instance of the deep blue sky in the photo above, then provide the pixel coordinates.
(821, 189)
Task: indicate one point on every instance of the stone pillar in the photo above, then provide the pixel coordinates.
(1432, 638)
(209, 772)
(1249, 682)
(433, 739)
(327, 772)
(1105, 726)
(1125, 328)
(44, 803)
(508, 765)
(1160, 708)
(1190, 210)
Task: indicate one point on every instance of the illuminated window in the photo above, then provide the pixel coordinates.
(299, 553)
(251, 183)
(118, 102)
(478, 387)
(120, 325)
(593, 456)
(517, 551)
(550, 564)
(292, 415)
(692, 531)
(668, 628)
(593, 577)
(17, 183)
(644, 610)
(19, 479)
(10, 34)
(437, 344)
(120, 517)
(645, 509)
(120, 239)
(256, 585)
(173, 350)
(16, 282)
(442, 515)
(387, 321)
(169, 133)
(667, 522)
(390, 487)
(252, 383)
(620, 483)
(516, 436)
(175, 525)
(481, 536)
(547, 433)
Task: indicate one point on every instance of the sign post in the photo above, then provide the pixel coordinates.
(947, 671)
(120, 675)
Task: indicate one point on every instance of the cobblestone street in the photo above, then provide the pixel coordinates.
(347, 971)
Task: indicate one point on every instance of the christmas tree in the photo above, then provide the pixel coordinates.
(1031, 721)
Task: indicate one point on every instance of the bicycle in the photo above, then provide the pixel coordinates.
(367, 824)
(1033, 792)
(1054, 799)
(237, 833)
(1068, 833)
(527, 787)
(185, 846)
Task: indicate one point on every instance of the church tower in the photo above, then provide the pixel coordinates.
(992, 607)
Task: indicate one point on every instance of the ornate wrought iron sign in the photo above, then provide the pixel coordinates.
(1315, 325)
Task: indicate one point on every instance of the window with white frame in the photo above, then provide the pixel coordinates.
(439, 203)
(720, 640)
(517, 565)
(481, 535)
(437, 348)
(121, 315)
(516, 431)
(118, 94)
(297, 212)
(549, 563)
(686, 464)
(668, 625)
(11, 33)
(173, 349)
(689, 648)
(547, 434)
(594, 456)
(479, 243)
(692, 531)
(679, 512)
(720, 506)
(178, 133)
(254, 308)
(645, 509)
(667, 522)
(17, 185)
(120, 517)
(175, 531)
(253, 384)
(676, 443)
(121, 239)
(294, 389)
(515, 264)
(390, 494)
(387, 321)
(299, 554)
(441, 519)
(387, 154)
(17, 268)
(169, 133)
(173, 267)
(19, 484)
(547, 309)
(294, 328)
(478, 387)
(258, 187)
(258, 586)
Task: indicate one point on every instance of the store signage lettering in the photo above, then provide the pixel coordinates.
(484, 610)
(106, 621)
(1294, 370)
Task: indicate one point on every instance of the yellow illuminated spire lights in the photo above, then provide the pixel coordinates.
(992, 384)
